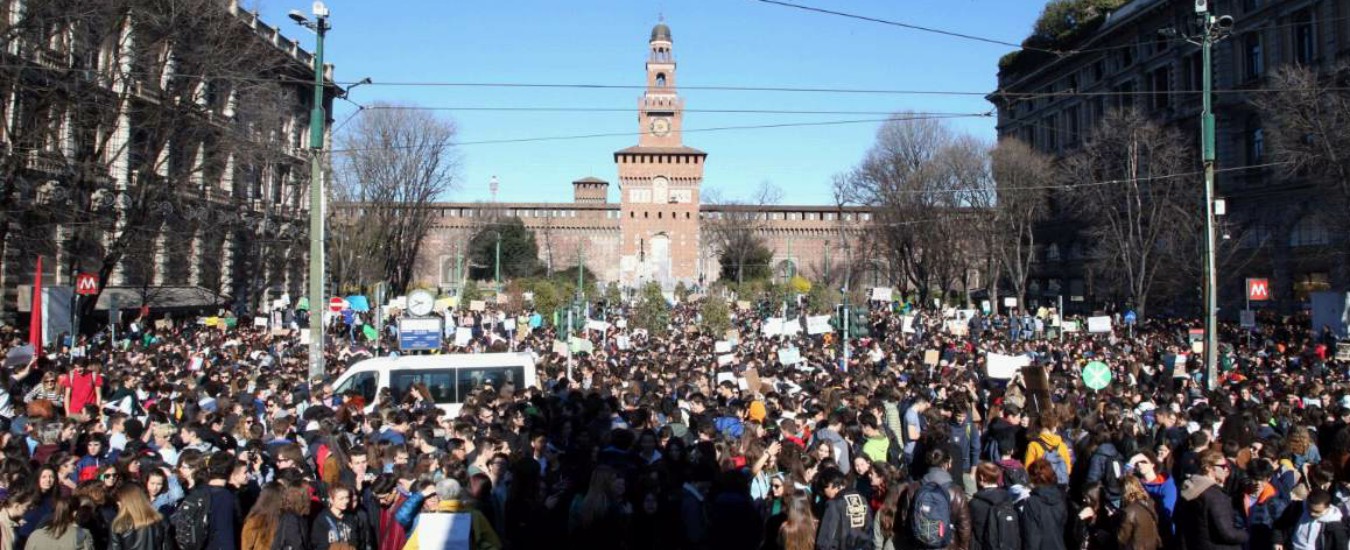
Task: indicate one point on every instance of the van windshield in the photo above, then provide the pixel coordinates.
(454, 385)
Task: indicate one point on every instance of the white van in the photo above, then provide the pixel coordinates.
(450, 378)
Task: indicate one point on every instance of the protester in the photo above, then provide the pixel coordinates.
(655, 440)
(138, 526)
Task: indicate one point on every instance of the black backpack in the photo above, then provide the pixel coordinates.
(1112, 477)
(191, 520)
(1002, 527)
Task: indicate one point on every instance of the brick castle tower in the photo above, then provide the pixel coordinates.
(659, 182)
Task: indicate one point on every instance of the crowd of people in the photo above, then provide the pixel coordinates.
(180, 436)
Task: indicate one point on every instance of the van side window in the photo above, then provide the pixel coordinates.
(473, 380)
(366, 384)
(440, 382)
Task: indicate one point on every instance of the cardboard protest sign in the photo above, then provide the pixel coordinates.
(477, 305)
(930, 357)
(463, 335)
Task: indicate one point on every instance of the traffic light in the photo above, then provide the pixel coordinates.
(858, 324)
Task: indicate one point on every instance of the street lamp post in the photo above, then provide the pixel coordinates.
(1213, 29)
(497, 269)
(317, 118)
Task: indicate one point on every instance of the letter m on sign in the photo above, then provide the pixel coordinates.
(1258, 290)
(86, 284)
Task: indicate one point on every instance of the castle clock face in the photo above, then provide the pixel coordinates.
(661, 126)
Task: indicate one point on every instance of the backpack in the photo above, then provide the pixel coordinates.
(191, 520)
(1056, 461)
(1111, 478)
(991, 451)
(1002, 527)
(930, 517)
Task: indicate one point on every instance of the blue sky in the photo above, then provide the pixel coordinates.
(716, 43)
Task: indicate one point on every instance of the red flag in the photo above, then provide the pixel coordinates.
(35, 318)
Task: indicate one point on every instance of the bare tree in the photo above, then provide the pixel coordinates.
(1133, 181)
(910, 177)
(736, 230)
(137, 115)
(394, 162)
(1306, 114)
(1024, 178)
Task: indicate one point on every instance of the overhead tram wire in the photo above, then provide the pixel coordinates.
(715, 88)
(695, 130)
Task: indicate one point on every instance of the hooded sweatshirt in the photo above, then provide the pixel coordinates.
(1309, 529)
(1048, 441)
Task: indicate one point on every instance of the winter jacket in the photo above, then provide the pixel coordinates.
(1205, 519)
(1163, 489)
(846, 523)
(291, 533)
(981, 509)
(1105, 457)
(1300, 531)
(1257, 516)
(151, 537)
(965, 447)
(1045, 514)
(1139, 527)
(75, 538)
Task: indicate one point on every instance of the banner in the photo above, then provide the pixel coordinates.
(1004, 367)
(819, 324)
(1099, 324)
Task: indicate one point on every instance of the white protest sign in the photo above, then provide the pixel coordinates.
(725, 377)
(621, 323)
(1070, 326)
(463, 335)
(1005, 367)
(881, 294)
(773, 326)
(791, 327)
(722, 346)
(789, 356)
(622, 342)
(725, 359)
(260, 322)
(1010, 302)
(957, 328)
(1099, 324)
(907, 324)
(592, 324)
(818, 324)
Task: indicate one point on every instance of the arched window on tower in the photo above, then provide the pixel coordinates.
(661, 80)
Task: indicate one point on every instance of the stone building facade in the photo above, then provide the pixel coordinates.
(227, 217)
(1122, 61)
(655, 232)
